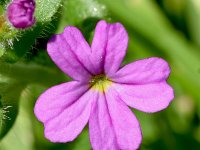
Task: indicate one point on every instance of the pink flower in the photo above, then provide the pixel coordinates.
(101, 90)
(21, 13)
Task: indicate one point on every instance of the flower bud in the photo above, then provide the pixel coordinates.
(20, 13)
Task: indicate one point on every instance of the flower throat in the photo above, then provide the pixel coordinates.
(100, 82)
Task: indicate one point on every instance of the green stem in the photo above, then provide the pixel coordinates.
(31, 73)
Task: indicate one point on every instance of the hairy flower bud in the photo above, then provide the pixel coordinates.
(20, 13)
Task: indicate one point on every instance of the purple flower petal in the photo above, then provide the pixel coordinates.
(71, 53)
(68, 124)
(109, 46)
(21, 13)
(112, 125)
(102, 134)
(54, 100)
(148, 70)
(149, 98)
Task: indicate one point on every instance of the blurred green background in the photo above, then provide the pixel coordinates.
(165, 28)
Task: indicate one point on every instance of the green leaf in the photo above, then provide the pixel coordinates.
(32, 74)
(4, 2)
(193, 17)
(9, 98)
(74, 14)
(46, 9)
(21, 133)
(82, 13)
(1, 10)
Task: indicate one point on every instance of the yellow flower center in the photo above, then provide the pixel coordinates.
(100, 82)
